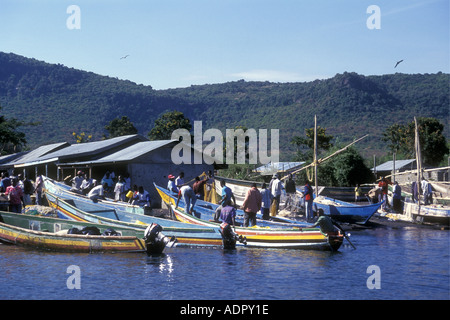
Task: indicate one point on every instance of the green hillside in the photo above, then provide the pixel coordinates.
(349, 105)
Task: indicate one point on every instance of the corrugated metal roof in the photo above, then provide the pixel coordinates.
(34, 155)
(10, 157)
(92, 148)
(399, 164)
(273, 167)
(129, 153)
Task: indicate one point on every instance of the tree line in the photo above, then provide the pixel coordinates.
(346, 169)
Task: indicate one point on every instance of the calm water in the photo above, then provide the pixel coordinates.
(413, 263)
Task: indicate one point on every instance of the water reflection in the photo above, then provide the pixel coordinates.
(414, 264)
(162, 262)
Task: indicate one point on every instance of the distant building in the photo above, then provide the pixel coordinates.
(278, 167)
(145, 161)
(387, 168)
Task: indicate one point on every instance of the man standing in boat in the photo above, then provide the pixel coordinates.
(427, 192)
(397, 198)
(189, 198)
(290, 193)
(171, 184)
(265, 202)
(276, 189)
(383, 184)
(308, 196)
(251, 205)
(199, 188)
(210, 188)
(228, 213)
(179, 181)
(227, 195)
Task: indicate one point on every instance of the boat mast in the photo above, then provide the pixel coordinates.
(418, 159)
(315, 157)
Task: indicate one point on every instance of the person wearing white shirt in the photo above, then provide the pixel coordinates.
(97, 192)
(179, 181)
(276, 190)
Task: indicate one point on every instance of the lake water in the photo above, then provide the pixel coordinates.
(407, 263)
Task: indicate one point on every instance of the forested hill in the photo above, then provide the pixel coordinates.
(348, 105)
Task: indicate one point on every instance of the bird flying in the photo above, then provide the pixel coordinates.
(124, 57)
(398, 62)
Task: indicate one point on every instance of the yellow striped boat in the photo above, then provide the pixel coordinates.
(47, 233)
(272, 237)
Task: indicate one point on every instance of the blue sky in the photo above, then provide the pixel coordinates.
(178, 43)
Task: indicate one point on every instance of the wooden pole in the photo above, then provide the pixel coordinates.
(418, 160)
(326, 158)
(375, 166)
(316, 186)
(394, 158)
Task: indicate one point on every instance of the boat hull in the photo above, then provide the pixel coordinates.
(279, 238)
(60, 189)
(206, 210)
(47, 234)
(346, 212)
(186, 235)
(439, 214)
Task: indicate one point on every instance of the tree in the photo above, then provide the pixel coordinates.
(305, 146)
(81, 138)
(120, 127)
(167, 123)
(350, 169)
(343, 170)
(432, 141)
(10, 138)
(395, 136)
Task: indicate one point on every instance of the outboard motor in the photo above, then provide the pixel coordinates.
(155, 241)
(229, 237)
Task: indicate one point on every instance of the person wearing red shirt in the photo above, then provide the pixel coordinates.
(252, 204)
(15, 197)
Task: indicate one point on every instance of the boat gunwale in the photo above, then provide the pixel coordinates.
(55, 234)
(126, 223)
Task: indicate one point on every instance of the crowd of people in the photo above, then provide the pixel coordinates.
(19, 190)
(265, 200)
(380, 193)
(111, 186)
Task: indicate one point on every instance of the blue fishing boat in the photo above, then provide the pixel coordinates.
(292, 237)
(346, 212)
(60, 189)
(85, 210)
(206, 211)
(61, 235)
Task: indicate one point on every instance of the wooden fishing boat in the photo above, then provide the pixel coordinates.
(241, 187)
(206, 211)
(281, 238)
(238, 187)
(431, 214)
(346, 212)
(416, 211)
(48, 233)
(61, 189)
(83, 210)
